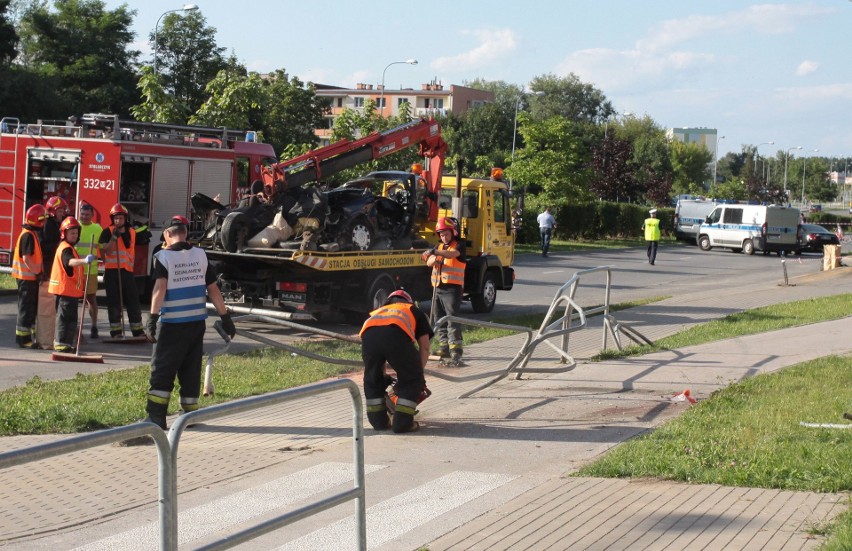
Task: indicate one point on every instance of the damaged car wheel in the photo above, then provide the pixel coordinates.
(234, 233)
(360, 235)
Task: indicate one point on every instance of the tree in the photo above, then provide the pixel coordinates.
(650, 164)
(482, 137)
(690, 167)
(554, 159)
(612, 178)
(157, 105)
(291, 111)
(85, 50)
(570, 98)
(187, 57)
(8, 36)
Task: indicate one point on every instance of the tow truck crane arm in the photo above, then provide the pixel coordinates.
(327, 161)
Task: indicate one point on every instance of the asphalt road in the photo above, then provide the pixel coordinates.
(679, 269)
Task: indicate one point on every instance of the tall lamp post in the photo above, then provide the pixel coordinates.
(787, 158)
(804, 167)
(515, 130)
(756, 154)
(716, 158)
(382, 95)
(186, 7)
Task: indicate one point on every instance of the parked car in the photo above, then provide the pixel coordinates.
(814, 237)
(816, 208)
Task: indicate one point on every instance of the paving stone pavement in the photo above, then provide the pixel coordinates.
(486, 472)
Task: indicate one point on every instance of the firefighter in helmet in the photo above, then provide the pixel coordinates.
(448, 261)
(389, 336)
(57, 210)
(67, 283)
(118, 243)
(28, 269)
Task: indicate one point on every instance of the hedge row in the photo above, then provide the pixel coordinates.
(595, 220)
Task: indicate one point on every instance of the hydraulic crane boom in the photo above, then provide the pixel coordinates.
(329, 160)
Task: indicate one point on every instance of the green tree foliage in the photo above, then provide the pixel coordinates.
(234, 99)
(612, 178)
(553, 161)
(482, 137)
(157, 104)
(290, 112)
(570, 98)
(732, 189)
(187, 57)
(651, 165)
(83, 50)
(690, 167)
(8, 36)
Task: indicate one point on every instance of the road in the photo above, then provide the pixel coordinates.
(679, 269)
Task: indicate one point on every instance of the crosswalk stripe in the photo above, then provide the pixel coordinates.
(404, 512)
(237, 508)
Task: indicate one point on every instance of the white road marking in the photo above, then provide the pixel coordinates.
(237, 508)
(410, 509)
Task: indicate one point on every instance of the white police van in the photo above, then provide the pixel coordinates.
(748, 228)
(689, 215)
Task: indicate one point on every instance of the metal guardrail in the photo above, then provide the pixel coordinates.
(167, 451)
(167, 473)
(558, 322)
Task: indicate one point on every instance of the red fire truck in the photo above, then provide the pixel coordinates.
(152, 169)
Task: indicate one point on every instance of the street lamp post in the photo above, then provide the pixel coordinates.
(756, 155)
(804, 167)
(382, 95)
(515, 130)
(716, 158)
(787, 158)
(186, 7)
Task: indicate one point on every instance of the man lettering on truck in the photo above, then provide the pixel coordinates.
(448, 261)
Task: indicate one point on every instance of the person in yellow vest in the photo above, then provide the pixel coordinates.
(389, 336)
(652, 235)
(118, 245)
(67, 283)
(28, 269)
(448, 261)
(90, 233)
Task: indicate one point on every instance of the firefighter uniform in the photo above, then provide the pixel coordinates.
(389, 335)
(67, 284)
(28, 283)
(181, 300)
(119, 281)
(448, 278)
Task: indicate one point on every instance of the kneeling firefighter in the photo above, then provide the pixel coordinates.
(388, 336)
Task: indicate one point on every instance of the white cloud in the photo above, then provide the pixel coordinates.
(806, 67)
(493, 44)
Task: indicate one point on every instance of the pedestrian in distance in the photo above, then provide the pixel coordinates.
(396, 334)
(118, 243)
(546, 225)
(28, 270)
(67, 284)
(183, 281)
(90, 234)
(448, 260)
(57, 210)
(652, 229)
(517, 225)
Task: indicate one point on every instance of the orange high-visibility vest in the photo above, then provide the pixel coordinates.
(125, 255)
(60, 282)
(450, 271)
(19, 269)
(398, 314)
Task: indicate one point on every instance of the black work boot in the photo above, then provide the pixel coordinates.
(156, 413)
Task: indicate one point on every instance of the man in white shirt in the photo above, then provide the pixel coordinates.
(546, 225)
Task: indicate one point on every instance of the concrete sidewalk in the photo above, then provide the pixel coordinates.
(510, 447)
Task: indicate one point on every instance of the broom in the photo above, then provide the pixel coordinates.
(76, 356)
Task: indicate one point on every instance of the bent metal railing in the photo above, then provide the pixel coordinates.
(558, 322)
(167, 451)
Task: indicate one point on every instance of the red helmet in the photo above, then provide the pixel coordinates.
(447, 223)
(400, 294)
(53, 204)
(36, 216)
(118, 208)
(68, 224)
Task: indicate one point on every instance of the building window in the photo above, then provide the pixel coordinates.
(359, 103)
(381, 103)
(340, 102)
(400, 101)
(439, 104)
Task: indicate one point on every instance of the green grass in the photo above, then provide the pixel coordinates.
(7, 282)
(558, 245)
(749, 322)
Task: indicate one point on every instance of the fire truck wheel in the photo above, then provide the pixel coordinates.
(235, 231)
(380, 289)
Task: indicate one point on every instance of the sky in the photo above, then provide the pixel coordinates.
(757, 72)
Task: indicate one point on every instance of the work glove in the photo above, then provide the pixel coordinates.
(90, 258)
(151, 327)
(228, 325)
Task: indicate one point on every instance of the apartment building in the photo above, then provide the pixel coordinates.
(432, 99)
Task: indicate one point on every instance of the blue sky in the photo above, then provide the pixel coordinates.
(758, 72)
